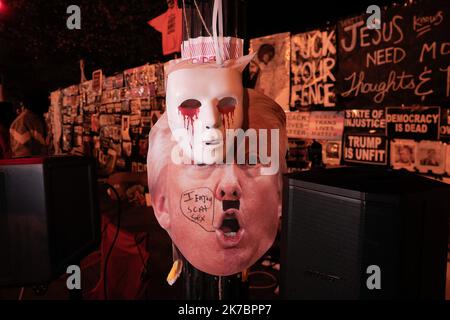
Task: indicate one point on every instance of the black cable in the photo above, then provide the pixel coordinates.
(144, 263)
(137, 243)
(105, 268)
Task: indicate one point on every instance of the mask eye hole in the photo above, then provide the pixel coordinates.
(190, 104)
(227, 104)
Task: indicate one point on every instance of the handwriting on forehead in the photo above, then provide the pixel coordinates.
(198, 206)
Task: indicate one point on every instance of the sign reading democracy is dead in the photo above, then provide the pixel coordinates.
(417, 123)
(365, 120)
(365, 149)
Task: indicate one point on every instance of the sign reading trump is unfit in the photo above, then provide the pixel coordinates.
(365, 149)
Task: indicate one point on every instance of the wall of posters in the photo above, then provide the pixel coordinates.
(109, 117)
(270, 69)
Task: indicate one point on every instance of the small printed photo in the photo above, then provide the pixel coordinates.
(125, 106)
(331, 152)
(127, 149)
(126, 128)
(431, 157)
(403, 154)
(95, 123)
(145, 104)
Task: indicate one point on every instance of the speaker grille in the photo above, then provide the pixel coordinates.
(323, 257)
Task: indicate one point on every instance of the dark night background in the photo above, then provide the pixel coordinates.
(38, 54)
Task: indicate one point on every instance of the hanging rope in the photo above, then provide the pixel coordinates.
(186, 26)
(217, 14)
(202, 19)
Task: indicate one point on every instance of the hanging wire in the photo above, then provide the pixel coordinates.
(187, 26)
(217, 11)
(201, 18)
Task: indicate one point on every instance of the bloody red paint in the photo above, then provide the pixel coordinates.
(227, 115)
(189, 111)
(226, 107)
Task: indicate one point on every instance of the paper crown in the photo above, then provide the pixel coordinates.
(204, 50)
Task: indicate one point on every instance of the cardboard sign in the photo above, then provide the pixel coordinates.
(326, 125)
(297, 124)
(313, 68)
(319, 125)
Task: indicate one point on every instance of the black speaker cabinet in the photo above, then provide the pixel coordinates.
(339, 222)
(49, 217)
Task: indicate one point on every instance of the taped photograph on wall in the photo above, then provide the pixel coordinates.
(431, 157)
(331, 153)
(403, 154)
(126, 128)
(270, 69)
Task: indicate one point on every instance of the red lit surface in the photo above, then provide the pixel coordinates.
(21, 161)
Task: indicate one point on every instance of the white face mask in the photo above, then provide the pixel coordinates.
(202, 102)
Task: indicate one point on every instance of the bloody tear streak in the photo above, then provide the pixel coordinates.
(189, 115)
(227, 115)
